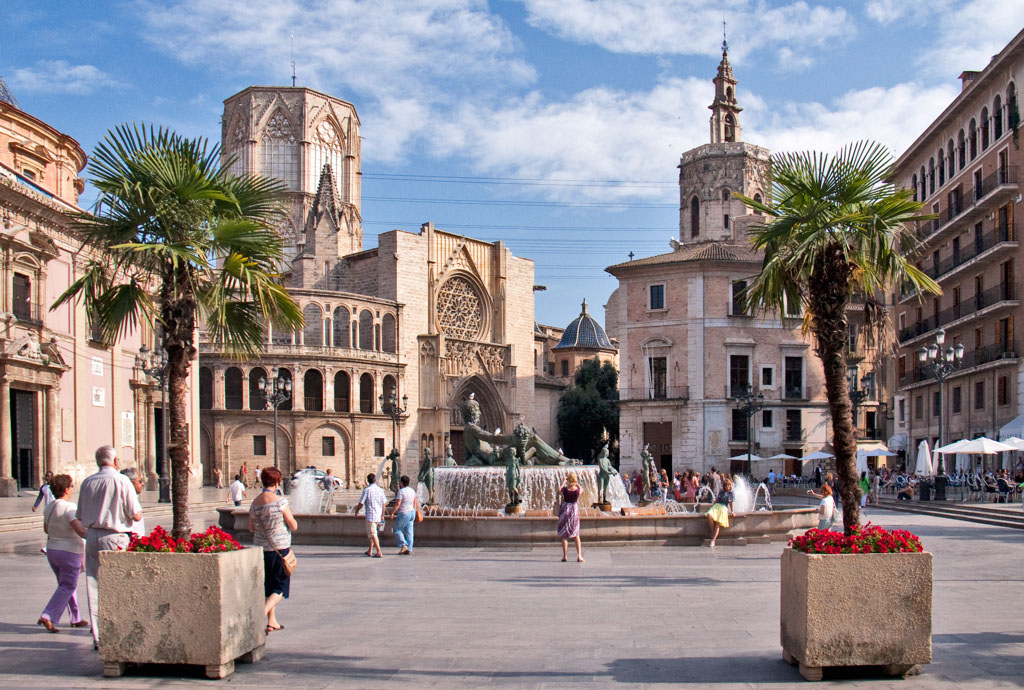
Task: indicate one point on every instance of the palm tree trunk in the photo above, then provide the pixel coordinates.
(179, 327)
(829, 296)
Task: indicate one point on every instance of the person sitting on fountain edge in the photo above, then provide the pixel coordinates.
(719, 514)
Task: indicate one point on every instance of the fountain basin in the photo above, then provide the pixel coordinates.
(607, 529)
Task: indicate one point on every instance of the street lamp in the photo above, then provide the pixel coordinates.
(389, 406)
(278, 391)
(857, 394)
(154, 364)
(749, 404)
(935, 361)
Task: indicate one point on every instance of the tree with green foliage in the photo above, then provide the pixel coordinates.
(587, 409)
(181, 241)
(836, 226)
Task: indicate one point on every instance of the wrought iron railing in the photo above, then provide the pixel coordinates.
(982, 300)
(655, 393)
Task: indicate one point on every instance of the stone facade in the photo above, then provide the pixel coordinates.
(965, 167)
(62, 394)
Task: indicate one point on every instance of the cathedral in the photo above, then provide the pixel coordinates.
(395, 336)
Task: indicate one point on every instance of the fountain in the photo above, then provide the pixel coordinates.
(306, 495)
(745, 499)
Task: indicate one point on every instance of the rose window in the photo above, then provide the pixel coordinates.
(459, 310)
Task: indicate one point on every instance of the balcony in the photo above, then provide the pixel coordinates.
(990, 190)
(28, 312)
(654, 393)
(974, 358)
(319, 351)
(998, 238)
(313, 403)
(979, 305)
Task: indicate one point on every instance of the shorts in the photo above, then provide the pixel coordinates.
(371, 529)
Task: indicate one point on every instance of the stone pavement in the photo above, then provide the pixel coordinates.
(508, 617)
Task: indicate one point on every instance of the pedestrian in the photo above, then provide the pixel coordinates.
(373, 500)
(865, 489)
(718, 514)
(771, 481)
(817, 476)
(716, 481)
(218, 480)
(65, 546)
(256, 476)
(677, 486)
(626, 483)
(826, 508)
(404, 515)
(236, 492)
(690, 486)
(271, 524)
(135, 477)
(569, 516)
(45, 493)
(664, 484)
(244, 472)
(108, 505)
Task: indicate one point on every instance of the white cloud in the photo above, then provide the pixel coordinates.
(887, 11)
(970, 34)
(61, 77)
(690, 27)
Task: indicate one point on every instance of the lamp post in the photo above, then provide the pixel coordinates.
(389, 406)
(154, 364)
(857, 394)
(748, 405)
(940, 363)
(278, 391)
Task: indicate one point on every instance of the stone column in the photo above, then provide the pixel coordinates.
(152, 482)
(298, 390)
(53, 434)
(245, 389)
(218, 388)
(8, 487)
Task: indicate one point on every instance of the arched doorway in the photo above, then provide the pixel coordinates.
(492, 412)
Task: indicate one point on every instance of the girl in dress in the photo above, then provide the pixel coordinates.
(569, 516)
(719, 513)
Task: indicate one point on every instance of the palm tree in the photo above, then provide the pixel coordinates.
(836, 225)
(180, 242)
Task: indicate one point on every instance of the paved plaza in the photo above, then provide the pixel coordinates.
(508, 617)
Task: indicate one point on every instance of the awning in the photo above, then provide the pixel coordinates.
(1014, 428)
(897, 442)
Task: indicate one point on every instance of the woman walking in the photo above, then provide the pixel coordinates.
(569, 516)
(65, 551)
(271, 523)
(404, 515)
(719, 513)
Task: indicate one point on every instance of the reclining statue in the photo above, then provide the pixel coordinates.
(481, 445)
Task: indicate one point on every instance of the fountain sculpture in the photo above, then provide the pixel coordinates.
(426, 475)
(481, 445)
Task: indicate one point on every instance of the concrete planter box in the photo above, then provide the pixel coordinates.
(857, 610)
(178, 608)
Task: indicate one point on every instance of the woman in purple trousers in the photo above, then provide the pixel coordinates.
(65, 549)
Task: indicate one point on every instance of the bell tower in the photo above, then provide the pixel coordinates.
(725, 120)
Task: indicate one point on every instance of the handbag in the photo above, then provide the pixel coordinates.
(419, 514)
(289, 562)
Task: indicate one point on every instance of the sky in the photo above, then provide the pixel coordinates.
(554, 125)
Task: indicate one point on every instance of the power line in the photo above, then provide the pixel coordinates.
(529, 181)
(470, 226)
(512, 202)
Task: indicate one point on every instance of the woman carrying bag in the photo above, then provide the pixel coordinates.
(271, 523)
(405, 515)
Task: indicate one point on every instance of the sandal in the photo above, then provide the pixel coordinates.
(80, 624)
(48, 625)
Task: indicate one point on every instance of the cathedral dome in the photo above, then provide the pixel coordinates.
(585, 332)
(5, 94)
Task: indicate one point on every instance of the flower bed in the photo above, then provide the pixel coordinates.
(862, 539)
(213, 540)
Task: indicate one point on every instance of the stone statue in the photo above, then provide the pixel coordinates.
(393, 459)
(481, 445)
(513, 476)
(646, 464)
(605, 470)
(449, 456)
(426, 476)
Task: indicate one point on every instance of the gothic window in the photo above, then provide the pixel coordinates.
(972, 138)
(341, 328)
(459, 309)
(694, 217)
(997, 118)
(313, 331)
(313, 390)
(366, 394)
(389, 336)
(328, 148)
(961, 150)
(279, 151)
(205, 388)
(730, 128)
(365, 330)
(726, 195)
(341, 392)
(984, 128)
(757, 199)
(233, 389)
(257, 397)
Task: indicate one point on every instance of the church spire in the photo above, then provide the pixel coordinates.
(725, 121)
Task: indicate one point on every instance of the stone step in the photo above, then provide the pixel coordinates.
(34, 521)
(963, 513)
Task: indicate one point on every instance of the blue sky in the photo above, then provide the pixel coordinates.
(575, 110)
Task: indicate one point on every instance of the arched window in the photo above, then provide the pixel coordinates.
(961, 148)
(728, 94)
(694, 217)
(389, 388)
(931, 175)
(950, 159)
(984, 128)
(313, 390)
(914, 182)
(997, 118)
(366, 394)
(389, 334)
(1012, 116)
(342, 391)
(730, 128)
(257, 397)
(279, 151)
(341, 328)
(757, 199)
(313, 331)
(365, 330)
(972, 138)
(726, 194)
(233, 389)
(942, 167)
(924, 184)
(287, 375)
(205, 388)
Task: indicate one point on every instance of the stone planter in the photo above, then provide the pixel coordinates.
(177, 608)
(856, 610)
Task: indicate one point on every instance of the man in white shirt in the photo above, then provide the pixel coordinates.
(107, 507)
(236, 492)
(373, 499)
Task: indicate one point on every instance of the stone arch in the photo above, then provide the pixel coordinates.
(313, 331)
(492, 410)
(726, 194)
(313, 390)
(313, 446)
(257, 397)
(730, 127)
(342, 329)
(365, 330)
(366, 391)
(389, 333)
(342, 392)
(232, 388)
(238, 447)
